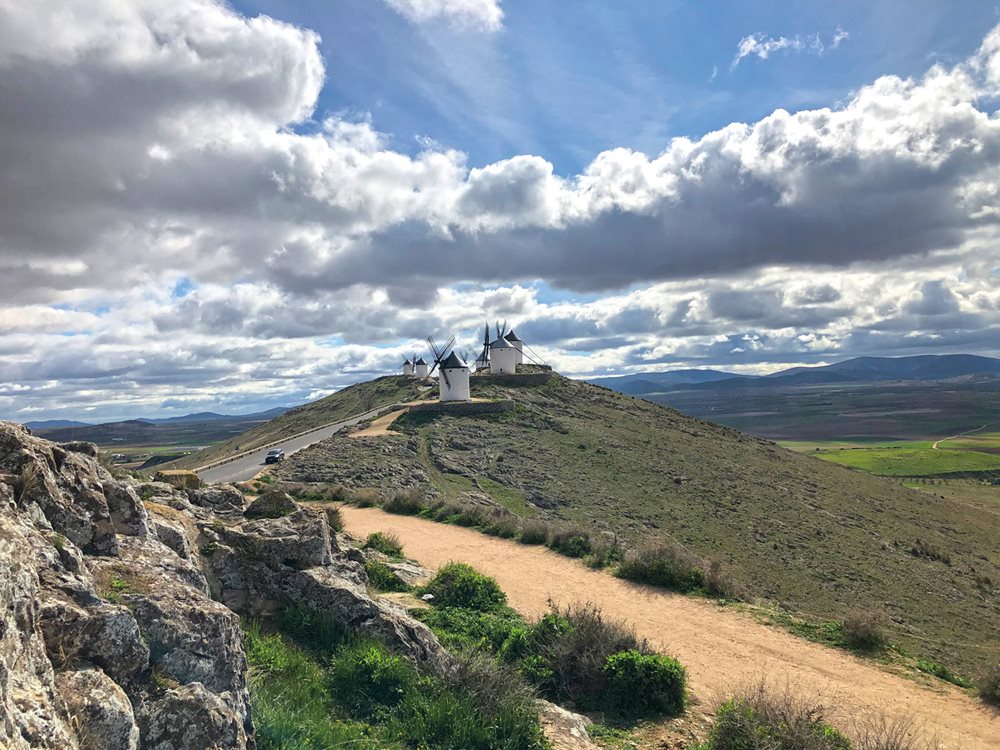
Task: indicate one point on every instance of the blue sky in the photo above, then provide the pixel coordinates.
(567, 80)
(229, 206)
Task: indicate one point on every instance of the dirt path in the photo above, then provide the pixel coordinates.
(961, 434)
(380, 426)
(721, 648)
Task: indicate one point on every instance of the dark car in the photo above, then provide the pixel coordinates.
(274, 456)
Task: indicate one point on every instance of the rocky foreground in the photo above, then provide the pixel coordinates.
(120, 601)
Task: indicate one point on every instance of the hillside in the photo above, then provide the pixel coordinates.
(810, 536)
(352, 400)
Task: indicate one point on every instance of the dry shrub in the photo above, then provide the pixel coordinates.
(665, 563)
(364, 498)
(572, 542)
(501, 522)
(989, 683)
(863, 630)
(26, 482)
(406, 502)
(879, 733)
(534, 532)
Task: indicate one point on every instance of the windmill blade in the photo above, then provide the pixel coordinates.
(444, 374)
(504, 328)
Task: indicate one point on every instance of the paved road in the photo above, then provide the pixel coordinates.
(246, 467)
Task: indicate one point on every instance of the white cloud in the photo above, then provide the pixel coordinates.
(147, 143)
(763, 46)
(481, 15)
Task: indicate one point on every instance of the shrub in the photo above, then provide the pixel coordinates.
(478, 705)
(719, 582)
(989, 684)
(667, 564)
(381, 577)
(863, 631)
(334, 518)
(573, 645)
(644, 685)
(534, 532)
(942, 673)
(461, 585)
(571, 542)
(466, 629)
(364, 498)
(929, 551)
(365, 679)
(313, 629)
(405, 502)
(877, 733)
(758, 718)
(604, 552)
(384, 542)
(500, 523)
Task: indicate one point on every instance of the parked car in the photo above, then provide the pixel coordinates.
(274, 456)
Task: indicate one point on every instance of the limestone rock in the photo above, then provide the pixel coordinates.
(564, 729)
(179, 478)
(127, 512)
(190, 717)
(99, 710)
(272, 504)
(299, 540)
(171, 533)
(222, 499)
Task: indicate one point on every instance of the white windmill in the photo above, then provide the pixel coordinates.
(503, 355)
(453, 383)
(420, 368)
(512, 339)
(408, 368)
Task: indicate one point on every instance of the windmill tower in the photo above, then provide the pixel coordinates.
(408, 368)
(503, 355)
(453, 383)
(512, 339)
(483, 360)
(421, 369)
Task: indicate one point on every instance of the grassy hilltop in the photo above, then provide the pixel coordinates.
(813, 537)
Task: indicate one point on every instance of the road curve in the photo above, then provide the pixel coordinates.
(247, 466)
(721, 648)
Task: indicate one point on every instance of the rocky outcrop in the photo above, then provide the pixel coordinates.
(119, 616)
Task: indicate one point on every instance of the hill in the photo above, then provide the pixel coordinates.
(810, 536)
(352, 400)
(651, 382)
(49, 424)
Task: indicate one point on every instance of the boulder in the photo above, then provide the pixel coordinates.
(190, 717)
(171, 533)
(99, 710)
(178, 478)
(272, 504)
(128, 515)
(564, 729)
(299, 540)
(224, 498)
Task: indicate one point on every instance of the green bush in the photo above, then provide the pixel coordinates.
(573, 646)
(759, 719)
(501, 523)
(666, 564)
(642, 685)
(461, 585)
(405, 502)
(478, 705)
(571, 542)
(942, 673)
(387, 544)
(313, 629)
(464, 629)
(366, 679)
(381, 577)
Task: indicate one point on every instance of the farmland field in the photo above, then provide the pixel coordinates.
(917, 459)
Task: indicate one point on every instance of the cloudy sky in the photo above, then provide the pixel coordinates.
(235, 206)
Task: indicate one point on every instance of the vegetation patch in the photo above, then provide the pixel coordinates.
(384, 542)
(942, 673)
(461, 585)
(989, 683)
(863, 631)
(314, 690)
(381, 577)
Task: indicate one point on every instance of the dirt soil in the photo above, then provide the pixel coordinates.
(380, 426)
(722, 648)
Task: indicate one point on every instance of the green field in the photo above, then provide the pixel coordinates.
(916, 459)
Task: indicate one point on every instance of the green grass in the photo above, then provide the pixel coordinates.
(916, 460)
(313, 690)
(510, 498)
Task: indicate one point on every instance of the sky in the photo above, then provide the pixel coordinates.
(229, 207)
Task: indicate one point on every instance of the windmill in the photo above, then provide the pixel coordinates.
(440, 355)
(483, 360)
(454, 381)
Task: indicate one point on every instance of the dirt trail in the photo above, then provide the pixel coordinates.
(961, 434)
(721, 648)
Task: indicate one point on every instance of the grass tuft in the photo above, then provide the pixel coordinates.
(384, 542)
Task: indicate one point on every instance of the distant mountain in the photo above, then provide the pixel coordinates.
(856, 370)
(211, 416)
(651, 382)
(51, 424)
(922, 367)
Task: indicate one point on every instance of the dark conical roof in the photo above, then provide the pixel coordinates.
(453, 362)
(407, 362)
(500, 343)
(420, 362)
(512, 337)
